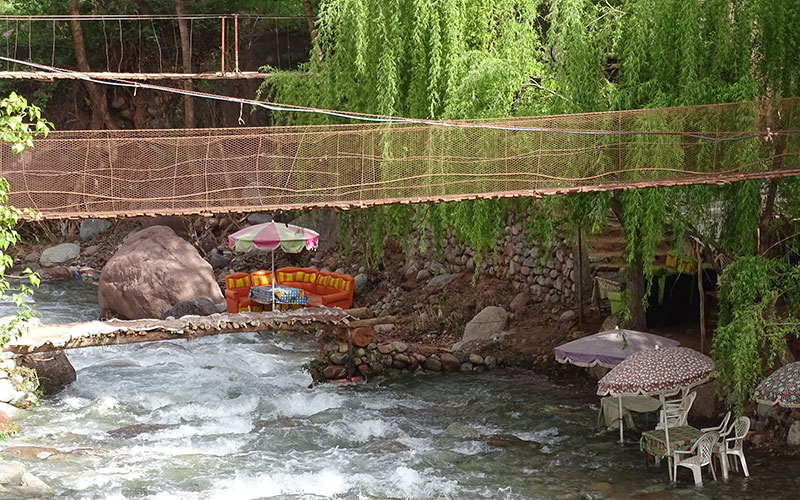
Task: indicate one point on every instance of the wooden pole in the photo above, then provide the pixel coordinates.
(236, 43)
(223, 46)
(702, 298)
(579, 272)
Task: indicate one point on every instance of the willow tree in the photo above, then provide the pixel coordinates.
(484, 58)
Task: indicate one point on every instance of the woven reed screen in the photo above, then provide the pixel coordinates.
(130, 172)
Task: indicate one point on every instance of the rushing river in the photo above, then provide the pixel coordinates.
(232, 417)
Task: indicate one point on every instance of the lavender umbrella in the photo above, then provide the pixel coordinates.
(609, 348)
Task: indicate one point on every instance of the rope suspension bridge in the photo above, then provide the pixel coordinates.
(90, 173)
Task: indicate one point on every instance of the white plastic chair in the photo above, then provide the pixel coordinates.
(722, 428)
(675, 413)
(735, 445)
(698, 457)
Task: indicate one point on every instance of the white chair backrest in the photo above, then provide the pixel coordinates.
(724, 428)
(677, 416)
(704, 446)
(741, 428)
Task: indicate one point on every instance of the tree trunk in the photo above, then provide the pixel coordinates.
(312, 33)
(97, 94)
(636, 288)
(186, 53)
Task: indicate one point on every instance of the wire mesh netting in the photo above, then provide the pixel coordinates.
(131, 172)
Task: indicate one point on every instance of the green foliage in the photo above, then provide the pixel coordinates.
(19, 124)
(750, 324)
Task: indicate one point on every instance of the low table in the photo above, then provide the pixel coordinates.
(680, 439)
(286, 297)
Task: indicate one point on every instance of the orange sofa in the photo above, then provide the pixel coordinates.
(323, 288)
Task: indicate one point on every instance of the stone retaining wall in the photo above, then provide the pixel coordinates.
(338, 359)
(547, 272)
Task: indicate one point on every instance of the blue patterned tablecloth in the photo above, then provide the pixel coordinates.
(283, 295)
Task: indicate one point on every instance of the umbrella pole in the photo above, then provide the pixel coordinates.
(272, 279)
(621, 440)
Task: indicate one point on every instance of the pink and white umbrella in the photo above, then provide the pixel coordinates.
(271, 235)
(661, 371)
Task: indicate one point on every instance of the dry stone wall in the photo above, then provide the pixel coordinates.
(545, 271)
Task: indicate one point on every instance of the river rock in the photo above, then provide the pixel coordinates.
(32, 257)
(31, 485)
(57, 273)
(334, 372)
(450, 363)
(134, 430)
(705, 404)
(360, 282)
(432, 364)
(218, 261)
(11, 411)
(487, 323)
(60, 254)
(399, 346)
(567, 316)
(32, 452)
(384, 328)
(7, 391)
(443, 280)
(476, 359)
(490, 362)
(53, 369)
(153, 270)
(423, 275)
(339, 358)
(609, 323)
(520, 302)
(196, 306)
(6, 425)
(466, 367)
(93, 227)
(11, 472)
(793, 436)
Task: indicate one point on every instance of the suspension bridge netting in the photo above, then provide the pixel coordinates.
(73, 174)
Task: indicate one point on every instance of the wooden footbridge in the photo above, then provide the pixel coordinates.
(114, 332)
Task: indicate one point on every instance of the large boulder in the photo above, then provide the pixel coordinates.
(53, 369)
(60, 254)
(487, 323)
(153, 270)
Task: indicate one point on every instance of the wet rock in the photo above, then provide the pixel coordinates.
(490, 362)
(196, 306)
(334, 372)
(339, 358)
(443, 280)
(462, 431)
(476, 359)
(32, 452)
(11, 472)
(450, 363)
(487, 323)
(7, 427)
(30, 485)
(12, 411)
(134, 430)
(60, 254)
(466, 367)
(57, 273)
(53, 369)
(7, 391)
(32, 257)
(130, 287)
(432, 364)
(91, 228)
(506, 441)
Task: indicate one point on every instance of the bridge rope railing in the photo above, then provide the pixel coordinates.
(87, 173)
